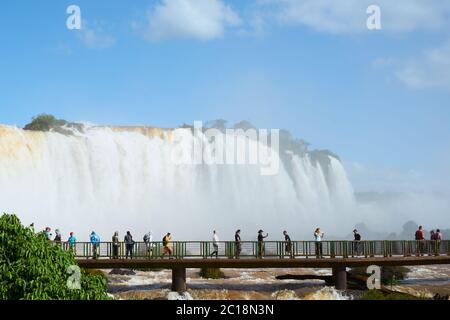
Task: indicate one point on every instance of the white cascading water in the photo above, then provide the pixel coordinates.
(109, 179)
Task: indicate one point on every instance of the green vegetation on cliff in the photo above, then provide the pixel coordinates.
(47, 122)
(32, 268)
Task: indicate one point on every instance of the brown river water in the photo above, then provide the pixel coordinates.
(261, 284)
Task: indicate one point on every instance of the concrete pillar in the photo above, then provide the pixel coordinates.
(179, 280)
(340, 278)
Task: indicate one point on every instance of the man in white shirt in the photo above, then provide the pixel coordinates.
(215, 244)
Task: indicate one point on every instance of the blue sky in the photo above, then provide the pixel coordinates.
(379, 99)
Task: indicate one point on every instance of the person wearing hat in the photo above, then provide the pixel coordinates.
(356, 243)
(261, 238)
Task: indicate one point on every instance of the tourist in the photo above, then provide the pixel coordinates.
(318, 236)
(166, 245)
(72, 243)
(129, 244)
(237, 243)
(48, 233)
(432, 235)
(356, 242)
(439, 237)
(288, 244)
(95, 241)
(215, 243)
(261, 238)
(420, 238)
(148, 239)
(115, 245)
(58, 237)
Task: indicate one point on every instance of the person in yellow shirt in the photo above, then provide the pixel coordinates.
(166, 243)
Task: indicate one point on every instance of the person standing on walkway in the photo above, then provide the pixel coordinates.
(115, 245)
(356, 242)
(48, 233)
(439, 238)
(432, 235)
(215, 243)
(72, 243)
(288, 243)
(58, 237)
(148, 239)
(261, 238)
(129, 244)
(420, 241)
(237, 244)
(167, 249)
(318, 237)
(95, 241)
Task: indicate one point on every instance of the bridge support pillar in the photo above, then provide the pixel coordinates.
(340, 278)
(179, 280)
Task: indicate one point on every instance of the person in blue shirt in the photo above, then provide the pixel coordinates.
(72, 241)
(95, 241)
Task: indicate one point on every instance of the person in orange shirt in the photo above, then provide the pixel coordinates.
(166, 243)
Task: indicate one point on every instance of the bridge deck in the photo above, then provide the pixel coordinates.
(251, 263)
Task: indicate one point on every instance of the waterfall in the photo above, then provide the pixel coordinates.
(117, 178)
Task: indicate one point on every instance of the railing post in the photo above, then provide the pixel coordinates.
(205, 249)
(332, 248)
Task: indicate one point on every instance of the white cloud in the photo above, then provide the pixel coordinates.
(195, 19)
(349, 16)
(95, 36)
(430, 70)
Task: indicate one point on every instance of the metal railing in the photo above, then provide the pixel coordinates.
(269, 249)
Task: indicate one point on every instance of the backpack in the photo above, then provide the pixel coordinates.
(164, 241)
(129, 239)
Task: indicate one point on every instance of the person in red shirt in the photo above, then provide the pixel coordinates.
(420, 237)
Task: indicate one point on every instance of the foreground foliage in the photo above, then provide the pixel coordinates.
(31, 268)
